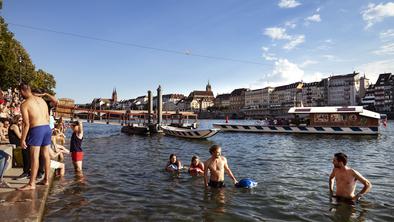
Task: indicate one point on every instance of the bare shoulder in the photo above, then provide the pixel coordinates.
(224, 158)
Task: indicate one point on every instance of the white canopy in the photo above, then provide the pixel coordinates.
(335, 109)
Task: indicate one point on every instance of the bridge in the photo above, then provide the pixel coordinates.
(124, 117)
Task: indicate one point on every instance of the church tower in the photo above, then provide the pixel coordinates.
(114, 96)
(208, 87)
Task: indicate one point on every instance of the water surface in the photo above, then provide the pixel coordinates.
(125, 181)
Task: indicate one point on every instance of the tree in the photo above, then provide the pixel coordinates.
(16, 65)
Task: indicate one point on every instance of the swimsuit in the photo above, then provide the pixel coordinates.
(173, 166)
(75, 148)
(216, 184)
(39, 136)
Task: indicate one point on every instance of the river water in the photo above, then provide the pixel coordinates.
(125, 181)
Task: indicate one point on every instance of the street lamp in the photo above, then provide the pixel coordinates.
(20, 69)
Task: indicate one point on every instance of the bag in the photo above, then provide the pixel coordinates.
(17, 159)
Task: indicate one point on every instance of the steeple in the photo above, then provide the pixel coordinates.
(114, 96)
(208, 87)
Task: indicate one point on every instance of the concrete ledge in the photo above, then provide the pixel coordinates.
(22, 205)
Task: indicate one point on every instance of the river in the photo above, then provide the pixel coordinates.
(125, 181)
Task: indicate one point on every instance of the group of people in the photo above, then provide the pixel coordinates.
(41, 139)
(214, 168)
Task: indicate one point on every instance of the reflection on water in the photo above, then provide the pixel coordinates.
(124, 179)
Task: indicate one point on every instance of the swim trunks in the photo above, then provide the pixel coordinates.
(55, 165)
(77, 156)
(39, 136)
(216, 184)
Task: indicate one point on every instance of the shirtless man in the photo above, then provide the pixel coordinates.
(36, 133)
(346, 178)
(217, 164)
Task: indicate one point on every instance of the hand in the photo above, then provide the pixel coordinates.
(357, 197)
(40, 94)
(235, 181)
(23, 144)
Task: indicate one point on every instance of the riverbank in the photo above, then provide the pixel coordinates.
(22, 205)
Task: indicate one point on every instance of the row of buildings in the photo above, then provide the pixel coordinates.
(339, 90)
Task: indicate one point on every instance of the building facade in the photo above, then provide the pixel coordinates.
(384, 93)
(343, 90)
(237, 99)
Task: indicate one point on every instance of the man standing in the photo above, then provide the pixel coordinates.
(346, 178)
(217, 164)
(36, 133)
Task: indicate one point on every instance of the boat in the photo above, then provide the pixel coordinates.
(352, 120)
(189, 133)
(136, 129)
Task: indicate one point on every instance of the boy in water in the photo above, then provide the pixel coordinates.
(76, 146)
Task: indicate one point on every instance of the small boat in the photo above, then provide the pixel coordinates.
(136, 129)
(189, 133)
(352, 120)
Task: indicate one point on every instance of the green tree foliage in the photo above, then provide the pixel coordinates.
(16, 65)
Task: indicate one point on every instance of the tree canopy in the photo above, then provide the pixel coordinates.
(16, 65)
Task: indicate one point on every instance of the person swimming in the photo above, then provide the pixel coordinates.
(196, 167)
(173, 165)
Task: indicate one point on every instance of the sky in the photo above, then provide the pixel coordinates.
(91, 47)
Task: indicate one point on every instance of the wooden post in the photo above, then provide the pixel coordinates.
(108, 117)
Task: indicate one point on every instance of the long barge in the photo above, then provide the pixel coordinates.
(353, 120)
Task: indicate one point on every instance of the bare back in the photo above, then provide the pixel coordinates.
(37, 110)
(216, 168)
(345, 182)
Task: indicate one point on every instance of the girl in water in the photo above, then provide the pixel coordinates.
(173, 165)
(196, 167)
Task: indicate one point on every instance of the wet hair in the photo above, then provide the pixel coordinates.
(172, 155)
(213, 148)
(24, 86)
(194, 158)
(341, 157)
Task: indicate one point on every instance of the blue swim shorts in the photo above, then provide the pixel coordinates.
(39, 136)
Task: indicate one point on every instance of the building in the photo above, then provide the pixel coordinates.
(237, 99)
(104, 103)
(222, 101)
(313, 94)
(282, 98)
(384, 93)
(368, 101)
(170, 101)
(257, 102)
(343, 90)
(197, 100)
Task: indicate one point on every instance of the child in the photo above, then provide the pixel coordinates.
(173, 165)
(76, 146)
(196, 167)
(54, 152)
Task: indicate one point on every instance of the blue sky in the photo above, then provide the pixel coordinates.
(290, 40)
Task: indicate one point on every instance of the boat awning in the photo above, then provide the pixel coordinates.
(334, 109)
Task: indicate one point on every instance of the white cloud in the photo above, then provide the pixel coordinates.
(329, 41)
(387, 49)
(373, 69)
(291, 24)
(294, 41)
(386, 35)
(377, 13)
(276, 33)
(285, 72)
(267, 55)
(318, 10)
(307, 63)
(329, 57)
(288, 3)
(313, 18)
